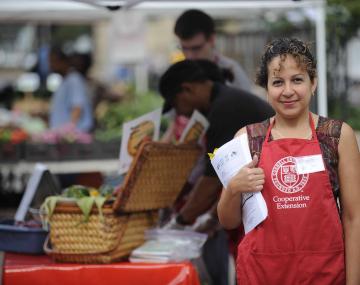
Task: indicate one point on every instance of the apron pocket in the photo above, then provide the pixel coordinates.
(272, 269)
(322, 268)
(295, 268)
(241, 270)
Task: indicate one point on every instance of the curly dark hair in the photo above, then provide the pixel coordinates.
(283, 47)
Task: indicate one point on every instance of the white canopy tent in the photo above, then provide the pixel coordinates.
(83, 10)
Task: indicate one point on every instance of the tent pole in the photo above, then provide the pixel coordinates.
(321, 58)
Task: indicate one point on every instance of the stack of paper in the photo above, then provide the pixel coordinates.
(227, 161)
(155, 251)
(163, 245)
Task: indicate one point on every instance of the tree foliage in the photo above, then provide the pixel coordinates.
(343, 23)
(343, 18)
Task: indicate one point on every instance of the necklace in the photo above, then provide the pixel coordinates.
(281, 136)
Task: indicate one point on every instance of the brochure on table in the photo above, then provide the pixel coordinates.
(195, 128)
(227, 161)
(146, 127)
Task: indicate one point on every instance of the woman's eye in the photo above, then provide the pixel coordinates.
(277, 83)
(298, 80)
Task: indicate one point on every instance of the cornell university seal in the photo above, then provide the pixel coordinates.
(285, 178)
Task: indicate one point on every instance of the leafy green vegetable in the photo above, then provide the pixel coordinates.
(76, 191)
(85, 204)
(47, 208)
(99, 201)
(81, 195)
(106, 191)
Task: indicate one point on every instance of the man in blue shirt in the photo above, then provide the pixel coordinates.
(71, 102)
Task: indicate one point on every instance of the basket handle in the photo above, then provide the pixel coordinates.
(47, 249)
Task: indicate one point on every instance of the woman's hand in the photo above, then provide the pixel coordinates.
(249, 179)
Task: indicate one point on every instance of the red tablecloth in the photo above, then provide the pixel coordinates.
(25, 269)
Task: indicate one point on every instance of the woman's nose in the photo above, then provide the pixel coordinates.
(288, 90)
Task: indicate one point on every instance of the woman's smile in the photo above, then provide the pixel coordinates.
(289, 103)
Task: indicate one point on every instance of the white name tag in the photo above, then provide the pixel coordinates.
(309, 164)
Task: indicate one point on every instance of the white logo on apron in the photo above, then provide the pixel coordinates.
(285, 178)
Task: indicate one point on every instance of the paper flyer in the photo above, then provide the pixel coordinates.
(146, 127)
(227, 161)
(195, 129)
(254, 210)
(230, 158)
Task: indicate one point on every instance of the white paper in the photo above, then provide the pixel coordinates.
(227, 161)
(195, 128)
(254, 210)
(30, 190)
(134, 132)
(309, 164)
(230, 158)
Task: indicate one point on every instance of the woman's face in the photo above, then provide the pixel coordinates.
(183, 103)
(289, 87)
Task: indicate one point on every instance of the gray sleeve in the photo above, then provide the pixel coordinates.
(241, 79)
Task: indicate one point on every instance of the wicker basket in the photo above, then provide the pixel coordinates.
(154, 180)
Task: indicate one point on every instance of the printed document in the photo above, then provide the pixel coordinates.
(134, 132)
(227, 161)
(195, 128)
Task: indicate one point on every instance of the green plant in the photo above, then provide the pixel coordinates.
(130, 109)
(117, 114)
(353, 113)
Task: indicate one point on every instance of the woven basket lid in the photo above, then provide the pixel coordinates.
(156, 176)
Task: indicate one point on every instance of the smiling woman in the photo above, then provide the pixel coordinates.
(304, 161)
(288, 72)
(289, 87)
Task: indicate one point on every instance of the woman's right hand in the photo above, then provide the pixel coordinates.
(249, 179)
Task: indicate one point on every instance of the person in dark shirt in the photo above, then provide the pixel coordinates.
(186, 87)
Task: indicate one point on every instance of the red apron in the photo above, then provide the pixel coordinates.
(301, 240)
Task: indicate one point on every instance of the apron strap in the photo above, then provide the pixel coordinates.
(269, 130)
(312, 126)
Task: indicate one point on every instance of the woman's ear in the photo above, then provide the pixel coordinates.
(314, 85)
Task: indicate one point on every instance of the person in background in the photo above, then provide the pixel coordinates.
(186, 87)
(302, 163)
(97, 91)
(196, 33)
(70, 103)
